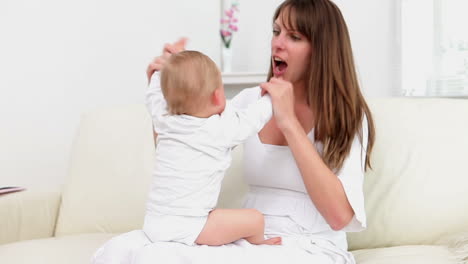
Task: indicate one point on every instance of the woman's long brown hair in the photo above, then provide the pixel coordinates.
(333, 92)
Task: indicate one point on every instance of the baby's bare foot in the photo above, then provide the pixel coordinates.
(272, 241)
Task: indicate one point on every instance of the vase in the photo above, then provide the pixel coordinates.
(226, 59)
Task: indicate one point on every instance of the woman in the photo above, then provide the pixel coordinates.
(305, 168)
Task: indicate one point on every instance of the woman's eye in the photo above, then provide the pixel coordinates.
(295, 37)
(276, 32)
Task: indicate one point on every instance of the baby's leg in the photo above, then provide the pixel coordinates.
(228, 225)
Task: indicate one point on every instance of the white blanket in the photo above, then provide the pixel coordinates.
(135, 248)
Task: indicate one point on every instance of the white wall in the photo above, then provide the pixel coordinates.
(252, 45)
(373, 26)
(59, 58)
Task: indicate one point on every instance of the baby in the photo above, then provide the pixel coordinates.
(197, 131)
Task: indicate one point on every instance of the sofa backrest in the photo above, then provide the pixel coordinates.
(110, 173)
(417, 190)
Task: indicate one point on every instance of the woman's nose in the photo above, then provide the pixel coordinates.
(277, 42)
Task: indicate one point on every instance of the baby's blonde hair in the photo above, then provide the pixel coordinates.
(188, 80)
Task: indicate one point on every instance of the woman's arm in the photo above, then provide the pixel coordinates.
(323, 186)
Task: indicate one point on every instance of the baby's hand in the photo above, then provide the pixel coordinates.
(158, 63)
(175, 47)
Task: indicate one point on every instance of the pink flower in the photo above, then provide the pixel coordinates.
(228, 27)
(233, 27)
(226, 33)
(229, 13)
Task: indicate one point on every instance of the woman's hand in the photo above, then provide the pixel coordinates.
(169, 49)
(282, 97)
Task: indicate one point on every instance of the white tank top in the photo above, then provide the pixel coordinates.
(276, 185)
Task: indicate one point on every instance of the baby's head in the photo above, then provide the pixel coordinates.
(191, 84)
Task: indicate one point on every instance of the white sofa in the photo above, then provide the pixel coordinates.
(416, 194)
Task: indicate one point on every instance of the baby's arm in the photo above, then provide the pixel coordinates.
(244, 122)
(228, 225)
(155, 101)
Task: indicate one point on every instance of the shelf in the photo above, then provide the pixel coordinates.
(243, 77)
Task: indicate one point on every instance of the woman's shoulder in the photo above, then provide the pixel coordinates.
(246, 97)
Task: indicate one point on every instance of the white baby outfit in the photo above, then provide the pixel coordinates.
(192, 156)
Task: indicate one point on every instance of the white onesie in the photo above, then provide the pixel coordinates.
(192, 155)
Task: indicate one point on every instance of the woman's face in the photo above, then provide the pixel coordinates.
(290, 51)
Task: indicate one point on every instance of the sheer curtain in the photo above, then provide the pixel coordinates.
(434, 48)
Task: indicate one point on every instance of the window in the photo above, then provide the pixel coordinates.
(434, 48)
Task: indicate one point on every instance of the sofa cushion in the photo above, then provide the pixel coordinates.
(110, 170)
(416, 192)
(405, 254)
(71, 250)
(80, 248)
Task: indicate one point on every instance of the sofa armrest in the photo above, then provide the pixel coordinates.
(29, 214)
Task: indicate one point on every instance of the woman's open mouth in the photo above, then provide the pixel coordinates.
(279, 66)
